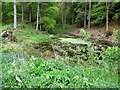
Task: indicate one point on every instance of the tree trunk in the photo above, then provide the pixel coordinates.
(22, 11)
(107, 12)
(89, 15)
(62, 15)
(15, 16)
(85, 14)
(30, 15)
(41, 5)
(37, 16)
(65, 13)
(40, 20)
(65, 21)
(72, 17)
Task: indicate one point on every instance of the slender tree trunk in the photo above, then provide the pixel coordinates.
(73, 18)
(37, 16)
(107, 13)
(65, 13)
(30, 15)
(85, 14)
(41, 5)
(15, 16)
(65, 21)
(22, 11)
(62, 15)
(40, 24)
(89, 15)
(40, 19)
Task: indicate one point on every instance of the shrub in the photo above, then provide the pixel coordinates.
(48, 23)
(112, 54)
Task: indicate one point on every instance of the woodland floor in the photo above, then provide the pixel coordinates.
(94, 33)
(98, 33)
(81, 59)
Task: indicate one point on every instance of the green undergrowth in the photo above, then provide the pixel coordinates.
(62, 29)
(20, 70)
(27, 34)
(6, 27)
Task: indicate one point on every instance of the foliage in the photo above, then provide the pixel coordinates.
(116, 16)
(54, 11)
(90, 54)
(112, 54)
(48, 23)
(62, 29)
(25, 72)
(79, 11)
(7, 12)
(114, 10)
(49, 15)
(83, 69)
(5, 49)
(28, 34)
(39, 38)
(98, 13)
(6, 27)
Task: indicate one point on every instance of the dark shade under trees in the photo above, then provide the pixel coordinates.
(46, 16)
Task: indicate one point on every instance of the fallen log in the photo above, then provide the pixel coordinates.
(109, 43)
